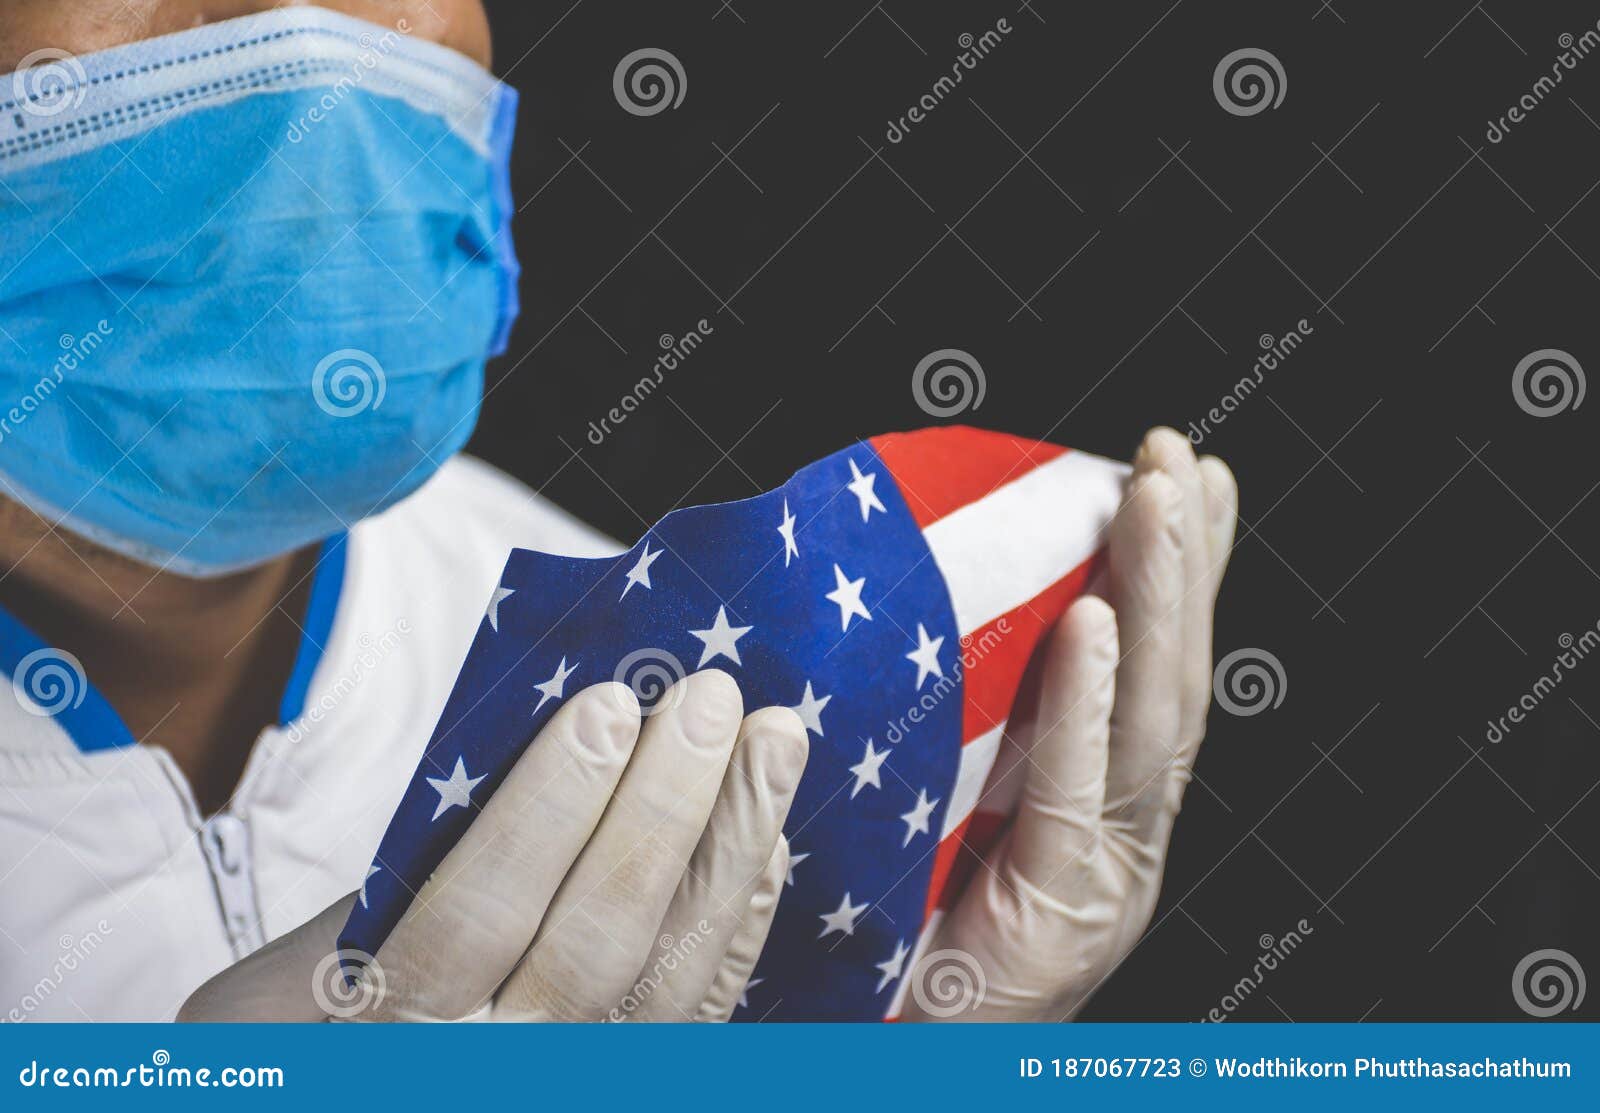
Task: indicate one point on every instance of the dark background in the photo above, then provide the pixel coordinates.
(1085, 219)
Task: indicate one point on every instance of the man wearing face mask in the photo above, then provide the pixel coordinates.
(254, 259)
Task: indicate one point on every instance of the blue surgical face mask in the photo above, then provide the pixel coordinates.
(249, 277)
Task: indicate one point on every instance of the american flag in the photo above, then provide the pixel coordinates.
(891, 594)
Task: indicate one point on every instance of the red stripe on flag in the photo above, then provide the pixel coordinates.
(995, 655)
(941, 470)
(960, 856)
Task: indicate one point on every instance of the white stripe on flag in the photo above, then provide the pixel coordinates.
(977, 758)
(1014, 543)
(897, 1003)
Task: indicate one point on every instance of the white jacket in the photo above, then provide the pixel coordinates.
(117, 898)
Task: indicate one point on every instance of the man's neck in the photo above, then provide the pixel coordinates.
(197, 667)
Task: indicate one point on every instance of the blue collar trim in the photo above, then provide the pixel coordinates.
(56, 683)
(327, 586)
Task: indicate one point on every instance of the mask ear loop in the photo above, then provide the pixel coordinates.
(501, 136)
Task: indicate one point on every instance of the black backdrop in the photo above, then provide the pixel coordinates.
(1083, 217)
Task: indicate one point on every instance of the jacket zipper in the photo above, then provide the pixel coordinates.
(225, 842)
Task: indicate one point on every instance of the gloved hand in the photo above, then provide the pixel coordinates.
(1105, 746)
(617, 873)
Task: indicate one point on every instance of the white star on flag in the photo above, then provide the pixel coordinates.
(842, 919)
(916, 820)
(795, 860)
(721, 640)
(926, 656)
(861, 488)
(555, 687)
(370, 871)
(640, 573)
(744, 999)
(810, 710)
(501, 594)
(790, 549)
(866, 770)
(893, 966)
(455, 792)
(848, 596)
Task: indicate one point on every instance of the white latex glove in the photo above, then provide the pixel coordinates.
(1106, 746)
(617, 873)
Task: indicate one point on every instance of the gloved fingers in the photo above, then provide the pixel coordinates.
(1171, 452)
(739, 961)
(1019, 930)
(472, 921)
(601, 927)
(1064, 780)
(290, 980)
(715, 892)
(1147, 582)
(1221, 497)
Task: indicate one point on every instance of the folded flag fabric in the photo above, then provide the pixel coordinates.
(891, 594)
